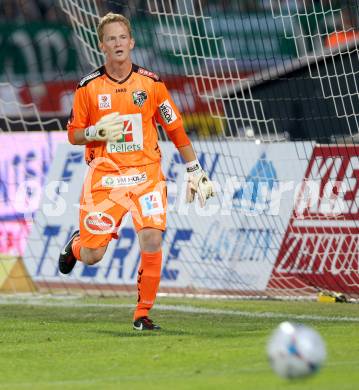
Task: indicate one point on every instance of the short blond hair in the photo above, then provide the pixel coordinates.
(111, 18)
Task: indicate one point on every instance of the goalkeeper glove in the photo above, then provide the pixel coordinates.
(108, 128)
(198, 182)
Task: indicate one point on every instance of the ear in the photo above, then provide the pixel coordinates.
(132, 43)
(100, 46)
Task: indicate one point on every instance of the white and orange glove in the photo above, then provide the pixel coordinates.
(198, 182)
(108, 128)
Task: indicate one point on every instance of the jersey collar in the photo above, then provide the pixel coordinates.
(120, 81)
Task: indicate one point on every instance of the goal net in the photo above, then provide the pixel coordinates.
(269, 96)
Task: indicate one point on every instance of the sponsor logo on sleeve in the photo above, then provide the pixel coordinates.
(167, 112)
(146, 72)
(151, 204)
(104, 102)
(99, 223)
(89, 77)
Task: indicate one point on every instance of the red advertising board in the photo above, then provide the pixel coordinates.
(321, 245)
(191, 94)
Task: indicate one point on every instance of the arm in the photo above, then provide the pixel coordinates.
(77, 137)
(79, 128)
(170, 119)
(187, 153)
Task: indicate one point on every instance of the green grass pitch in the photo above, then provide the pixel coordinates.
(89, 344)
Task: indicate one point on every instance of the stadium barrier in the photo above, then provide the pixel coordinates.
(228, 247)
(279, 224)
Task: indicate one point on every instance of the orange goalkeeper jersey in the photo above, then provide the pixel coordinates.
(142, 99)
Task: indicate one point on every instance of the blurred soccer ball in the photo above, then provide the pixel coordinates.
(295, 350)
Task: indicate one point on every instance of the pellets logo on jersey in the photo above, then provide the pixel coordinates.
(127, 135)
(104, 102)
(131, 139)
(99, 223)
(139, 98)
(167, 112)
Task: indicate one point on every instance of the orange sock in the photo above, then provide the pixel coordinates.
(76, 247)
(149, 275)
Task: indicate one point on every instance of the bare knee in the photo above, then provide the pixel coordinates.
(150, 239)
(92, 256)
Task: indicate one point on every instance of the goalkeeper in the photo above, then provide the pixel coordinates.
(114, 114)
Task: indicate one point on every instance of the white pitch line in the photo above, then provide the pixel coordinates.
(68, 303)
(199, 310)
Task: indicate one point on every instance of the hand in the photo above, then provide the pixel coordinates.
(108, 128)
(198, 182)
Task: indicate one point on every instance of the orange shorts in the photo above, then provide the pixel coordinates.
(107, 197)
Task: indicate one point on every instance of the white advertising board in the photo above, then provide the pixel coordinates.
(231, 244)
(25, 158)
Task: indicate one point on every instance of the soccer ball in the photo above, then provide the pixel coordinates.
(295, 350)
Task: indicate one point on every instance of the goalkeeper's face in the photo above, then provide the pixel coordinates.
(117, 43)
